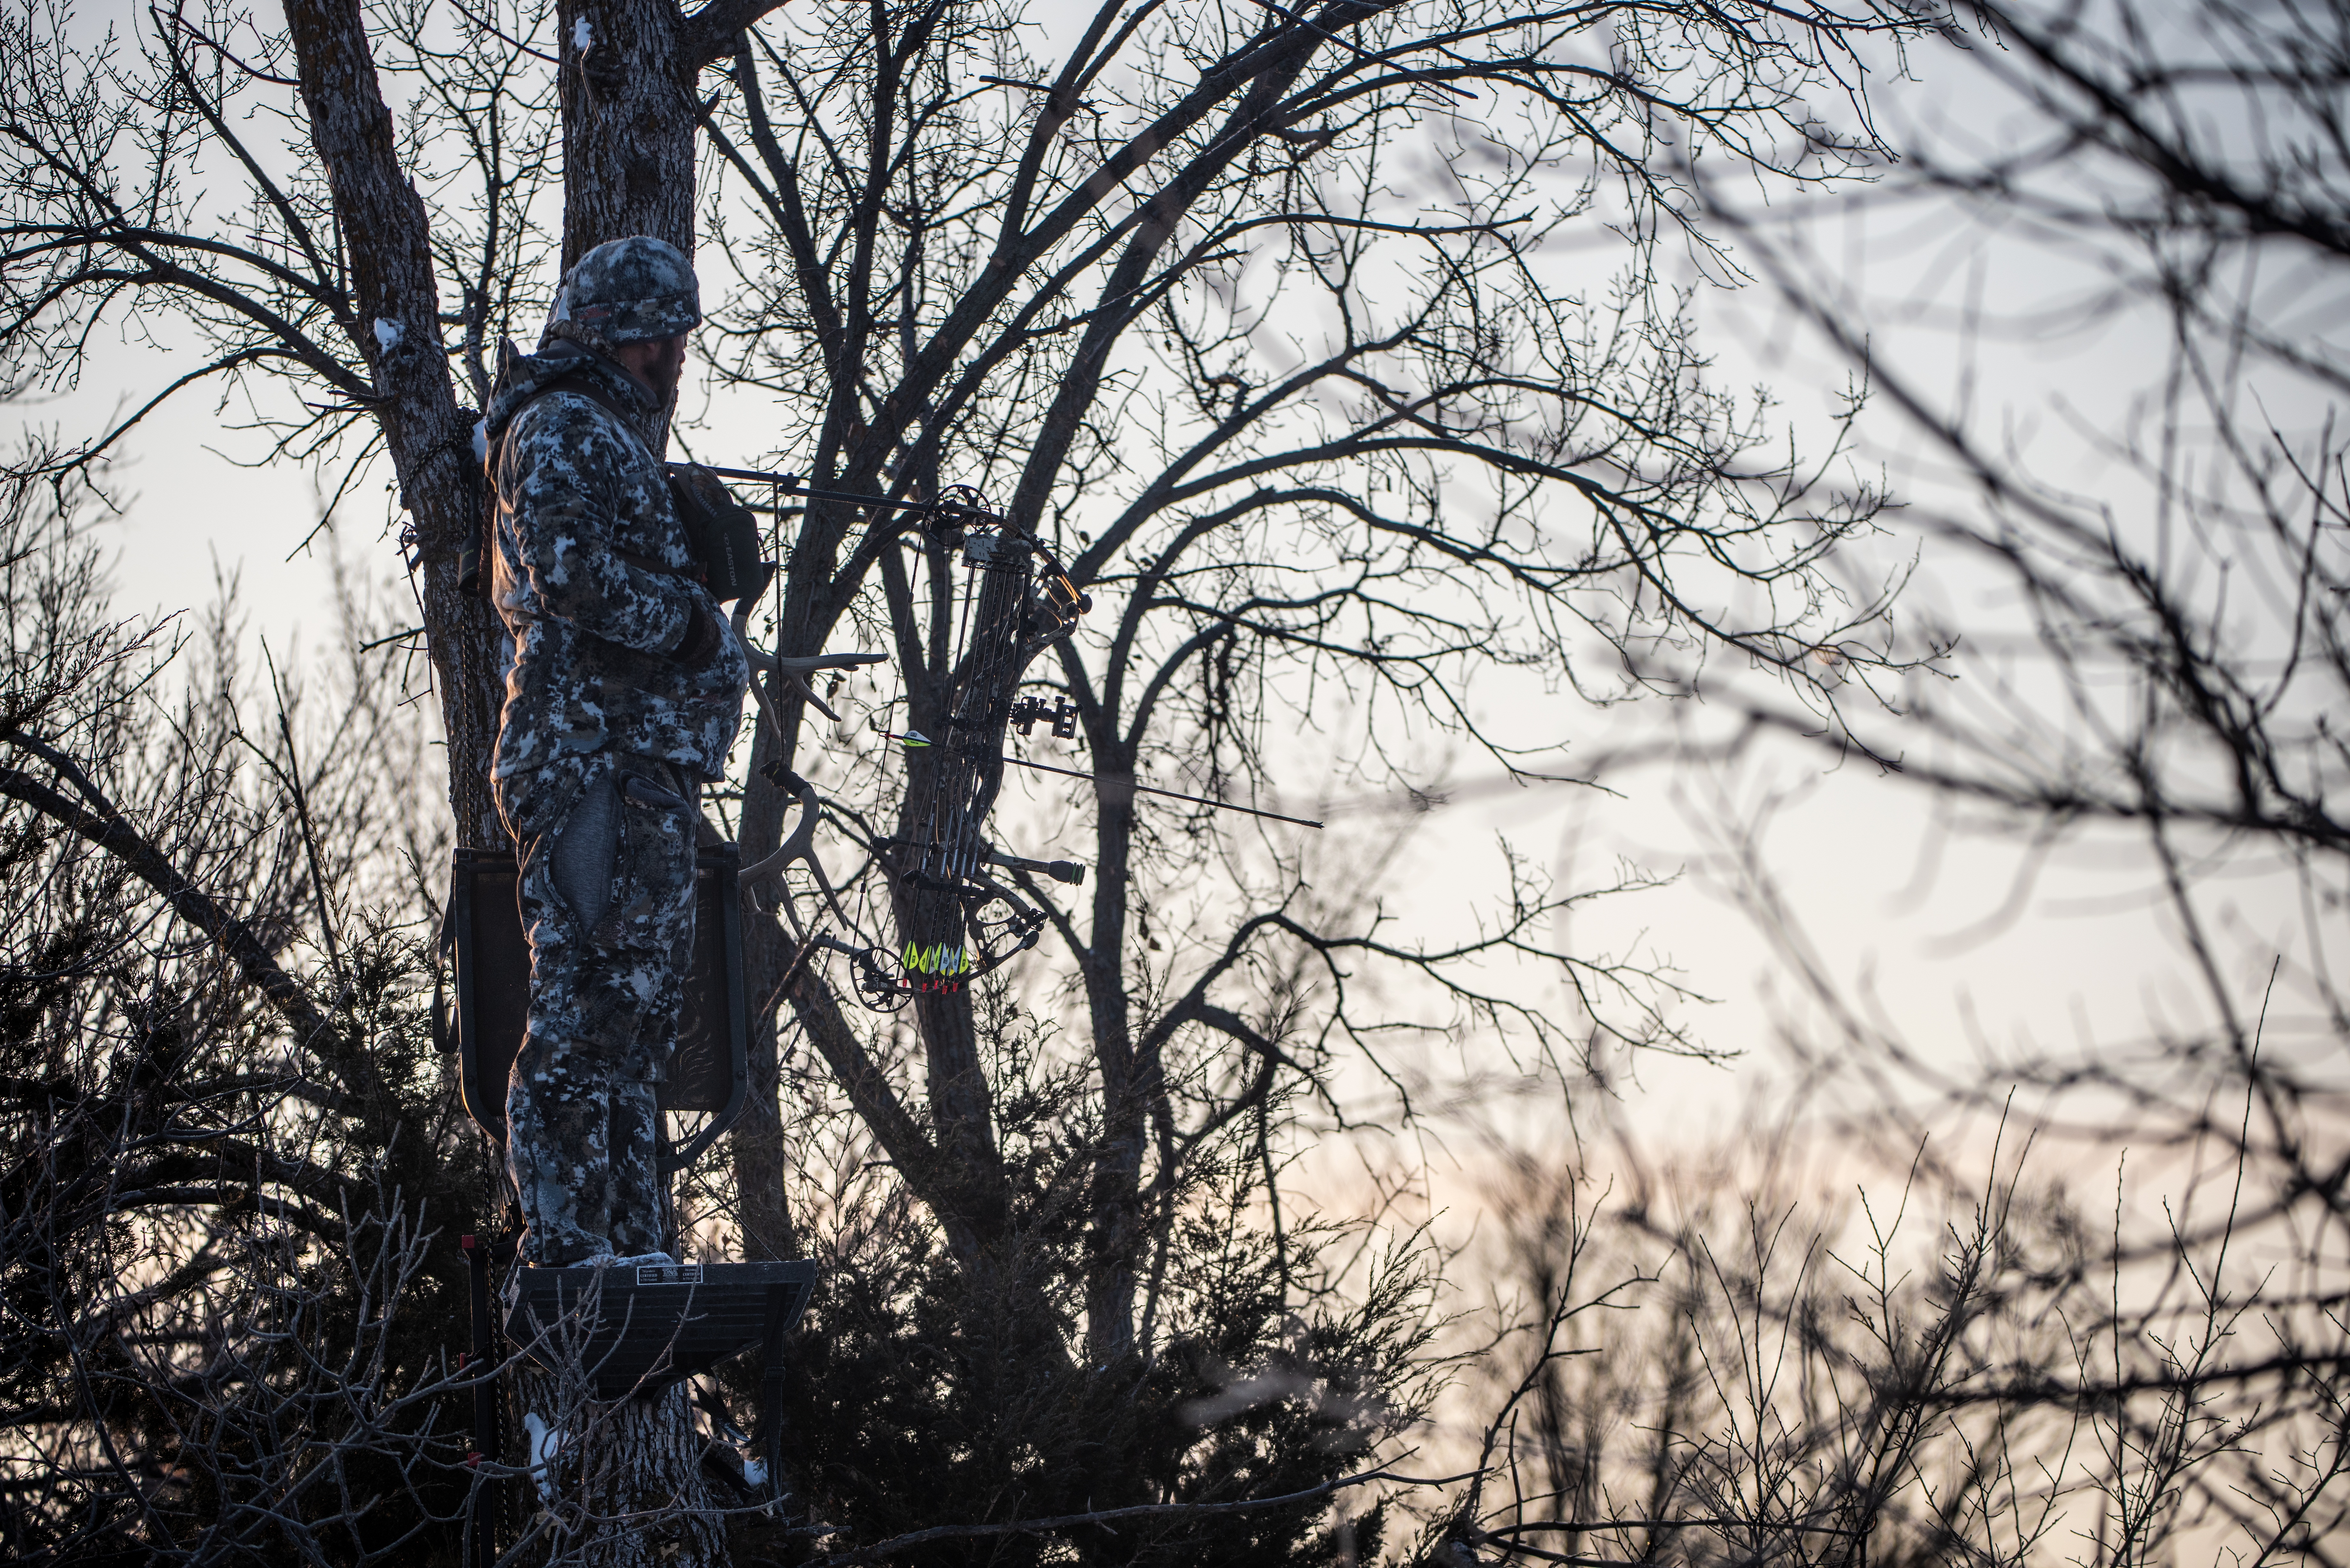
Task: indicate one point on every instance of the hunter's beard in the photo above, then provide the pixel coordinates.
(667, 373)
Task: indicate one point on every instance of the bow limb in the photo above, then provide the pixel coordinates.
(1029, 919)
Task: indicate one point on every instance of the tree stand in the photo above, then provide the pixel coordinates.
(626, 1334)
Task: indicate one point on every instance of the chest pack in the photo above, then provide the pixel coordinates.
(721, 532)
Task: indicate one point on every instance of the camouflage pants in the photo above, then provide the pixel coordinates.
(607, 851)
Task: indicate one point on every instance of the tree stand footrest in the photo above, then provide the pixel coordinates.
(636, 1329)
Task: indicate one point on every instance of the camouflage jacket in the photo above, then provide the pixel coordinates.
(584, 522)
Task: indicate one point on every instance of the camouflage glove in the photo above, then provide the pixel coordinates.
(701, 635)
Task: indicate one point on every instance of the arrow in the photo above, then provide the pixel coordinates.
(790, 485)
(916, 738)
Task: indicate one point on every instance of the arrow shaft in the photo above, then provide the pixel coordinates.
(789, 483)
(1152, 789)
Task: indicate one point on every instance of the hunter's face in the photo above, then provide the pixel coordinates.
(665, 367)
(658, 362)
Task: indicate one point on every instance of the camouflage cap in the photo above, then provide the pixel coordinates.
(628, 290)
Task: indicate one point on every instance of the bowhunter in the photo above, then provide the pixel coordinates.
(623, 697)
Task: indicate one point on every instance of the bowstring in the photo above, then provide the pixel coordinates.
(953, 854)
(994, 661)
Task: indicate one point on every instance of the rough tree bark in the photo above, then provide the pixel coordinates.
(628, 123)
(394, 322)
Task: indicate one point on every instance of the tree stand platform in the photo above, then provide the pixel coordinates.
(634, 1331)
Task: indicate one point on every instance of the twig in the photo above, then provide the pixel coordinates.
(898, 1543)
(199, 908)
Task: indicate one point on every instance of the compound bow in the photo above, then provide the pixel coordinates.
(956, 920)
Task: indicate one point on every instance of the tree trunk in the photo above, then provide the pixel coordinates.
(623, 1488)
(394, 319)
(629, 120)
(629, 124)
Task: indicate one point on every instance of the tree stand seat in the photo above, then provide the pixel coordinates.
(634, 1331)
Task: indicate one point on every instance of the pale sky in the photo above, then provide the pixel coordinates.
(1932, 936)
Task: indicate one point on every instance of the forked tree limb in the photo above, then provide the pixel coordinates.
(710, 32)
(119, 838)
